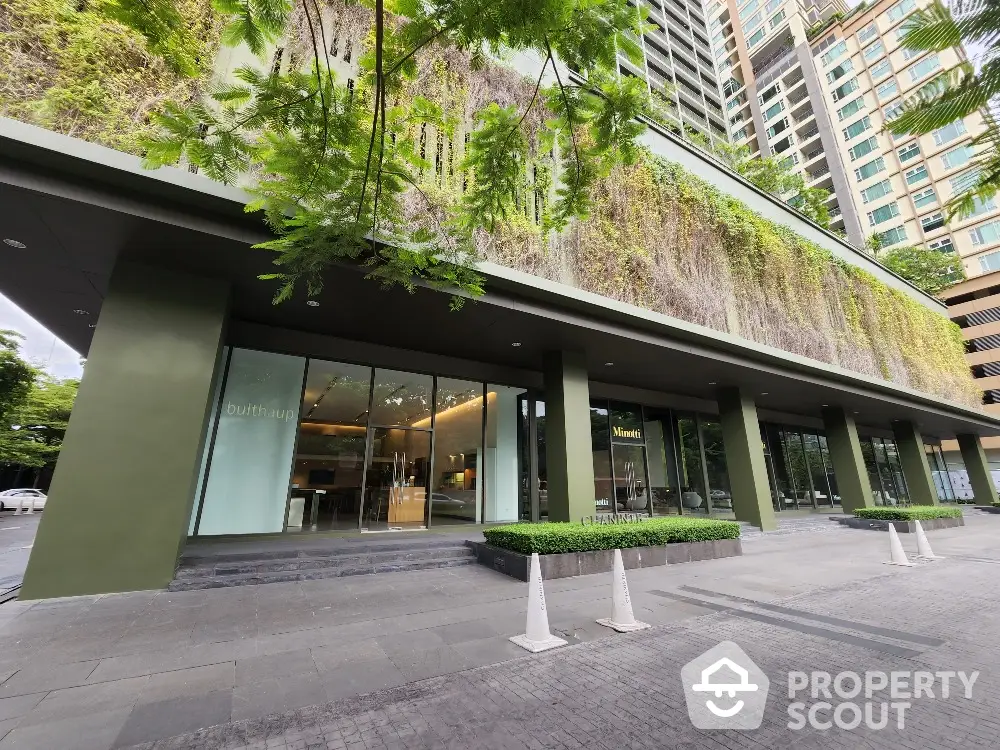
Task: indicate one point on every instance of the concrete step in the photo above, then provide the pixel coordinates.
(330, 571)
(228, 566)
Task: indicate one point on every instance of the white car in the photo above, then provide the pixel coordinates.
(10, 499)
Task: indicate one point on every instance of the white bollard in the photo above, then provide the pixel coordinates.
(31, 506)
(923, 546)
(896, 554)
(20, 505)
(622, 619)
(536, 632)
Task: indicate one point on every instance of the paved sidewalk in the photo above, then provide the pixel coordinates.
(115, 671)
(17, 533)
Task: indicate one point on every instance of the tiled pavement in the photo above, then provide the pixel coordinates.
(121, 670)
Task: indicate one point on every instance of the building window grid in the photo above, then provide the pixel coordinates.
(924, 67)
(956, 157)
(887, 89)
(924, 197)
(864, 148)
(986, 234)
(949, 132)
(880, 70)
(873, 50)
(915, 175)
(852, 107)
(872, 168)
(858, 127)
(883, 213)
(876, 191)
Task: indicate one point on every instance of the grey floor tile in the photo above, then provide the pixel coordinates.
(428, 662)
(96, 731)
(268, 696)
(37, 679)
(86, 699)
(11, 708)
(189, 682)
(410, 641)
(334, 656)
(272, 666)
(163, 660)
(166, 718)
(6, 725)
(459, 632)
(358, 678)
(488, 651)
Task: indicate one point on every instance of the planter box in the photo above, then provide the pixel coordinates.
(569, 564)
(902, 527)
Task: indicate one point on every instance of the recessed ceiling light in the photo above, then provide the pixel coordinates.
(712, 382)
(516, 343)
(764, 393)
(609, 364)
(824, 404)
(81, 312)
(14, 243)
(92, 325)
(312, 303)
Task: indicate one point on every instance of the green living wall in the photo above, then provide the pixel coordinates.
(663, 239)
(65, 66)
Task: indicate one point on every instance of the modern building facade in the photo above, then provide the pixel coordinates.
(679, 67)
(974, 305)
(819, 83)
(207, 411)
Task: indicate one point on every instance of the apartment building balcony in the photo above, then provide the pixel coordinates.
(812, 155)
(807, 132)
(652, 53)
(772, 70)
(819, 176)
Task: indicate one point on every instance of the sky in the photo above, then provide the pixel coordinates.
(40, 347)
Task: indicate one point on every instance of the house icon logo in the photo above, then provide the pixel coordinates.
(725, 689)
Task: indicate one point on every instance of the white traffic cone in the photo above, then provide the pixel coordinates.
(896, 554)
(536, 633)
(923, 546)
(621, 618)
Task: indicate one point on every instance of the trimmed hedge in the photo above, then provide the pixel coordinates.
(912, 513)
(555, 538)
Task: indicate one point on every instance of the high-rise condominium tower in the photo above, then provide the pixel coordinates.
(815, 82)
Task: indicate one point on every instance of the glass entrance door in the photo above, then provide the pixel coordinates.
(631, 492)
(397, 479)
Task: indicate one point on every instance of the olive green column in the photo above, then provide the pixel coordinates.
(569, 452)
(121, 497)
(853, 485)
(748, 481)
(913, 461)
(978, 468)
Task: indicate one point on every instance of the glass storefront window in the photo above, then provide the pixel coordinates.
(628, 456)
(939, 473)
(401, 398)
(397, 479)
(831, 478)
(600, 438)
(719, 491)
(781, 485)
(663, 492)
(330, 452)
(247, 487)
(798, 469)
(817, 472)
(692, 474)
(896, 471)
(874, 477)
(458, 447)
(501, 465)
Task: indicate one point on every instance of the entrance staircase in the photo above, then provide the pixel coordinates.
(220, 568)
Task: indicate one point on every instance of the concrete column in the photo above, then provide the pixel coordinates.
(853, 484)
(569, 452)
(745, 459)
(983, 490)
(913, 461)
(121, 497)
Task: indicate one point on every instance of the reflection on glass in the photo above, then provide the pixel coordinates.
(817, 471)
(247, 487)
(402, 398)
(899, 483)
(631, 493)
(543, 482)
(781, 485)
(600, 437)
(662, 479)
(502, 466)
(831, 478)
(692, 478)
(719, 489)
(458, 440)
(798, 469)
(939, 472)
(329, 454)
(397, 479)
(889, 490)
(868, 453)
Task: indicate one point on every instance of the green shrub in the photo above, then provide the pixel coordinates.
(553, 538)
(912, 513)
